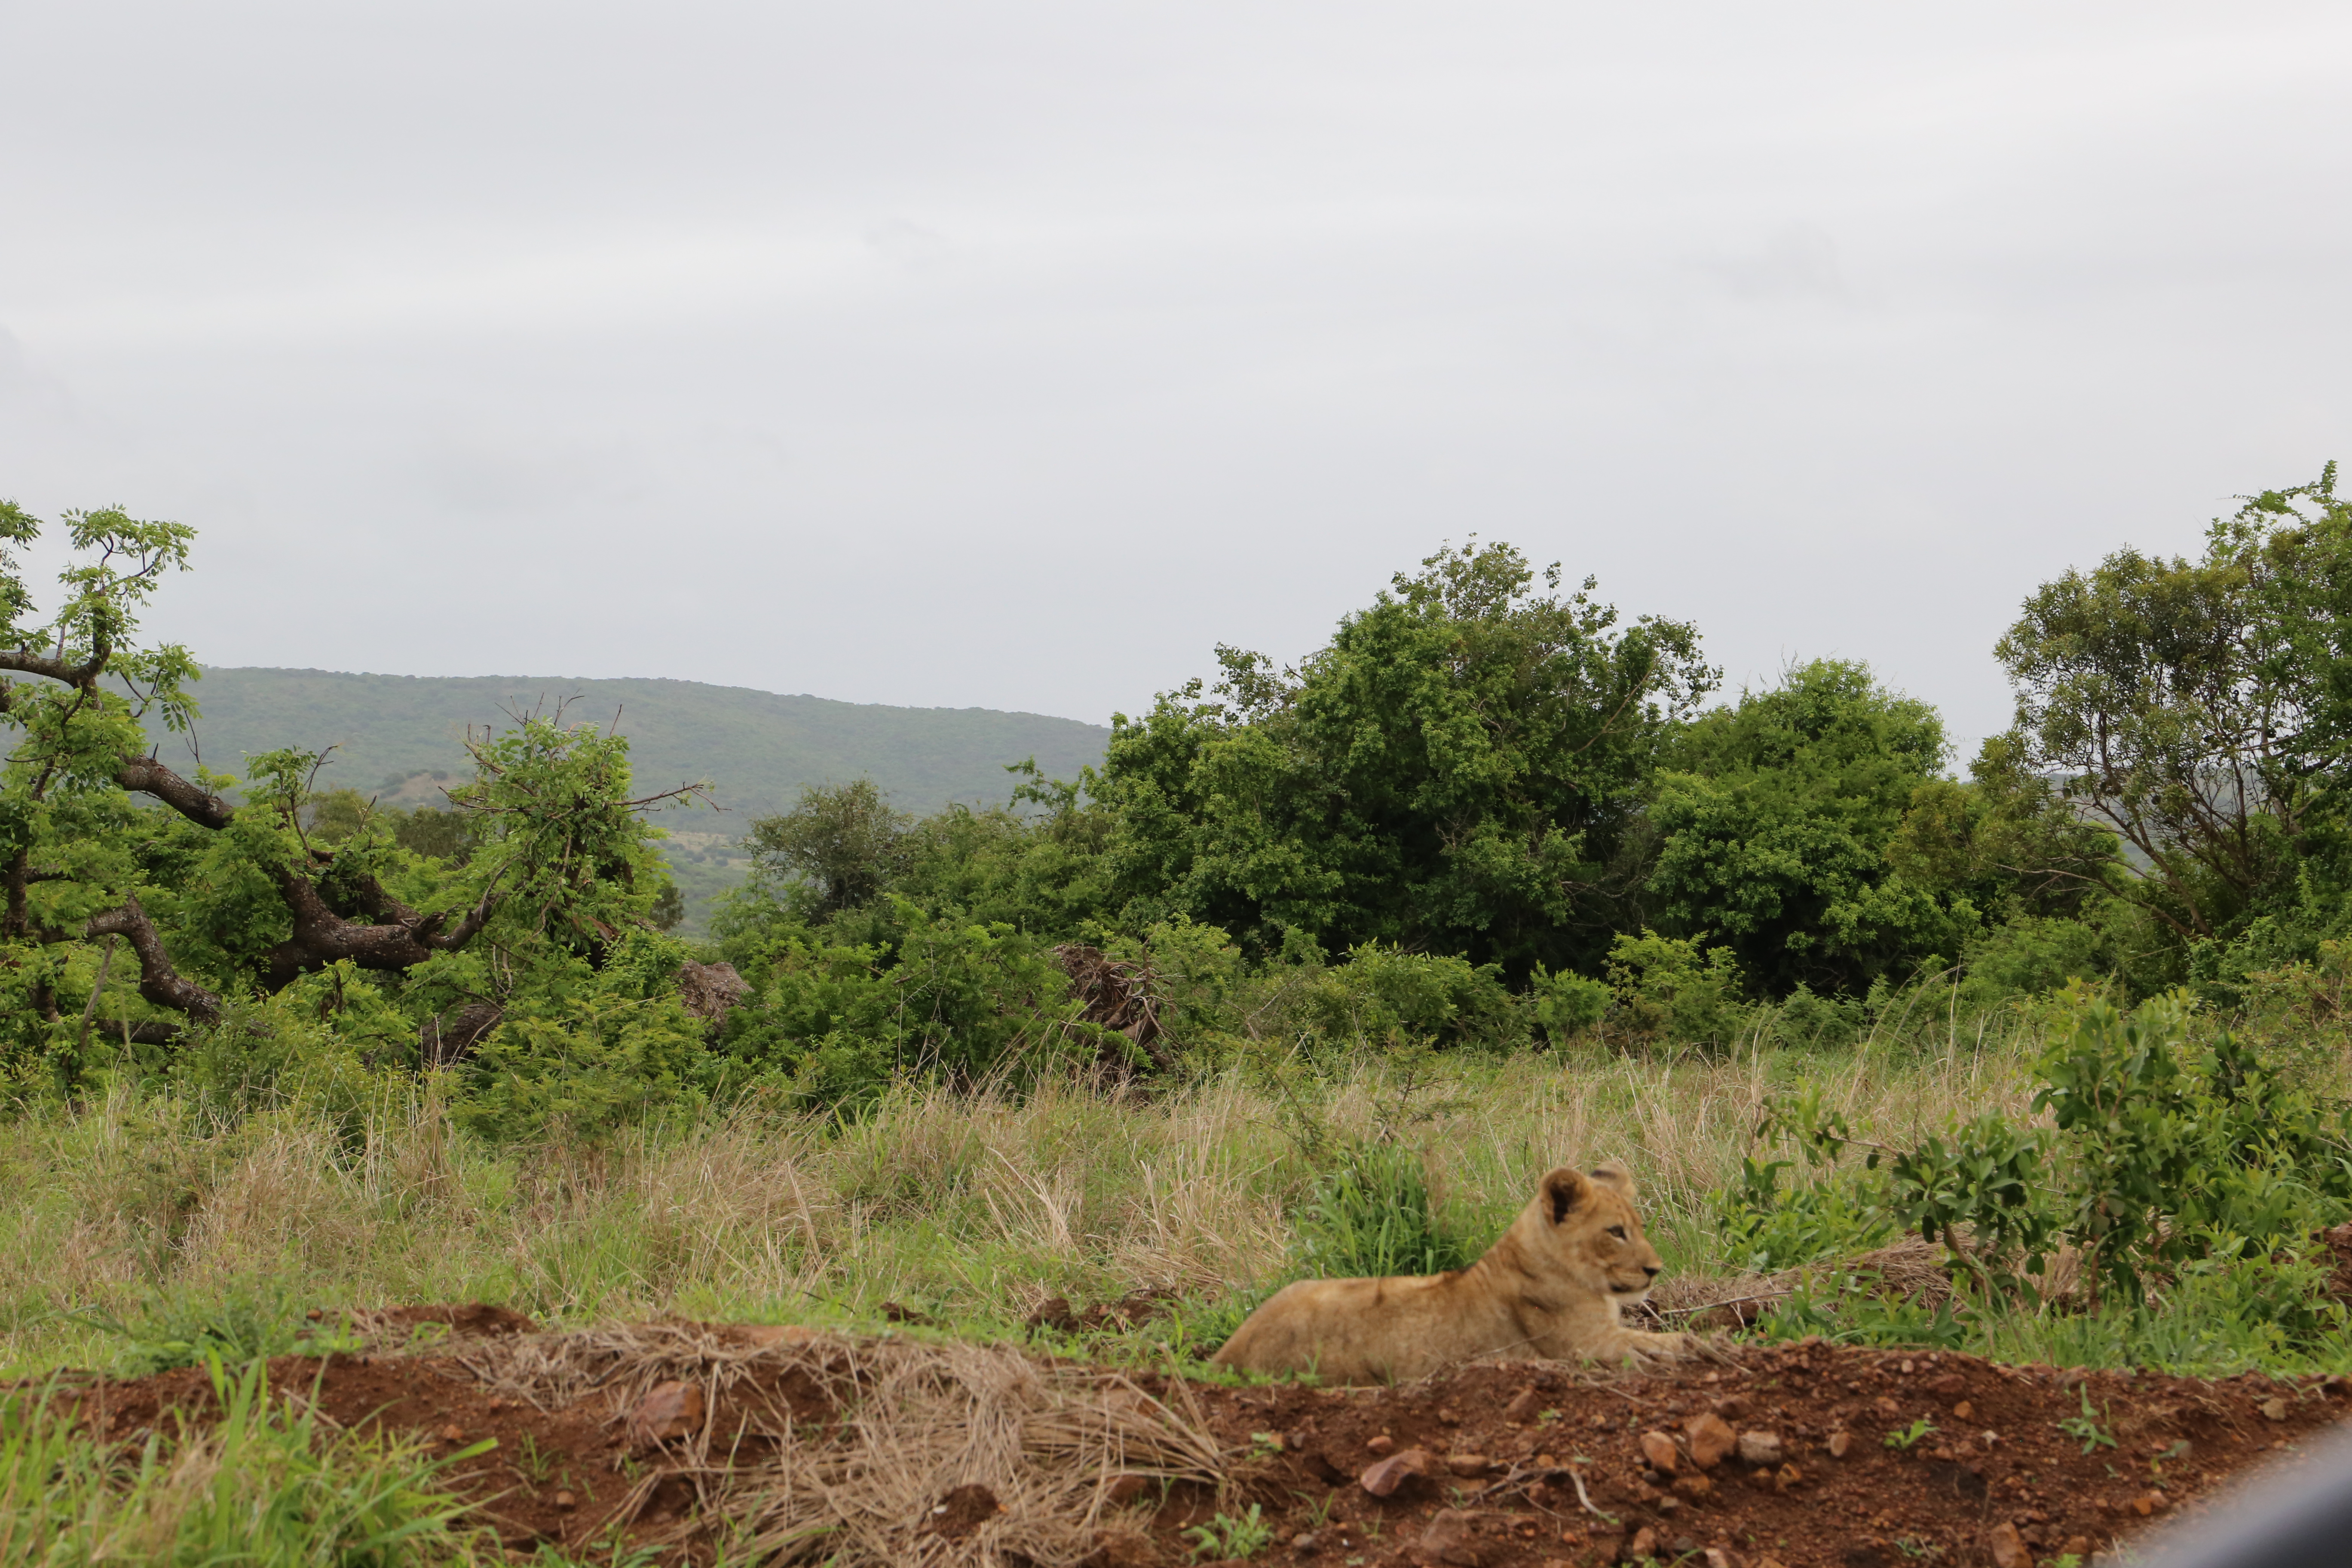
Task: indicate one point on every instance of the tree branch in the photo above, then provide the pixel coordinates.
(198, 804)
(159, 982)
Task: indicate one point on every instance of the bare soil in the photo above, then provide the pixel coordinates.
(1500, 1465)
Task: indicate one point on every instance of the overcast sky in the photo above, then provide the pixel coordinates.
(1013, 354)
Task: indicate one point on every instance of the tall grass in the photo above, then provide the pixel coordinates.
(971, 1207)
(266, 1484)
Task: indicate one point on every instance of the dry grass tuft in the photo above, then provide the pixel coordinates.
(910, 1424)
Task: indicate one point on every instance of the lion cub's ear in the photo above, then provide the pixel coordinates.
(1564, 1191)
(1610, 1173)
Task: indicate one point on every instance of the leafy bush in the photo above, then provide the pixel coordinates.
(1672, 987)
(2165, 1153)
(583, 1065)
(940, 996)
(1567, 1005)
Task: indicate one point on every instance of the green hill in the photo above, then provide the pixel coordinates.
(394, 733)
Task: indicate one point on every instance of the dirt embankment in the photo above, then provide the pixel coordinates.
(906, 1451)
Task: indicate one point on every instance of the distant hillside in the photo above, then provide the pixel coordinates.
(394, 732)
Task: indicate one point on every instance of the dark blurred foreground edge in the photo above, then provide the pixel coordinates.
(2300, 1518)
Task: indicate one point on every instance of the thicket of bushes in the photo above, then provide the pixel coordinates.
(1490, 815)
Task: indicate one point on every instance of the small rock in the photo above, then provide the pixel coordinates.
(1523, 1406)
(1053, 1312)
(668, 1410)
(1839, 1443)
(2008, 1547)
(1732, 1406)
(1786, 1476)
(769, 1335)
(1761, 1447)
(1710, 1439)
(1306, 1544)
(1382, 1478)
(1447, 1542)
(1659, 1449)
(1948, 1384)
(1466, 1464)
(1692, 1486)
(1644, 1543)
(1668, 1504)
(1888, 1407)
(2274, 1408)
(1381, 1445)
(1769, 1563)
(1963, 1411)
(1716, 1557)
(453, 1433)
(565, 1502)
(2148, 1502)
(2077, 1547)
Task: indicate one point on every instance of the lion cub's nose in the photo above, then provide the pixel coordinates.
(1652, 1269)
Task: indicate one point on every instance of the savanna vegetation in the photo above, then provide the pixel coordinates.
(1316, 972)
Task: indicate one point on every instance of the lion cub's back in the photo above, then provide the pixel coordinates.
(1345, 1331)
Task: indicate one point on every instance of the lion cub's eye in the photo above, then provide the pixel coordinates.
(1618, 1231)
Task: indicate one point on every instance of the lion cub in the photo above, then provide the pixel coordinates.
(1552, 1288)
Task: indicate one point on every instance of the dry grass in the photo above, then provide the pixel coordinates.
(973, 1207)
(908, 1425)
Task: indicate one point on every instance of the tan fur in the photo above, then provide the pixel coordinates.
(1552, 1288)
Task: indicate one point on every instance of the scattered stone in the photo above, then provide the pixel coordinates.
(1644, 1543)
(2077, 1547)
(565, 1502)
(1381, 1444)
(453, 1433)
(1716, 1557)
(1053, 1312)
(668, 1410)
(1786, 1476)
(964, 1509)
(1839, 1443)
(1761, 1447)
(1694, 1486)
(1732, 1406)
(1710, 1439)
(768, 1335)
(1888, 1407)
(2008, 1548)
(2274, 1408)
(1466, 1464)
(1948, 1384)
(1381, 1480)
(1447, 1542)
(1963, 1411)
(1659, 1449)
(2148, 1502)
(1523, 1406)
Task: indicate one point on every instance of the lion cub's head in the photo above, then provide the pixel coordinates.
(1588, 1231)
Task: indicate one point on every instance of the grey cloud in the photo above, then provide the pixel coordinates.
(1015, 355)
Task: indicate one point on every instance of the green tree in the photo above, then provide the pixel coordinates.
(1461, 770)
(214, 901)
(839, 843)
(2201, 711)
(1775, 817)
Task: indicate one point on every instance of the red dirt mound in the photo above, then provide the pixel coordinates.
(1805, 1455)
